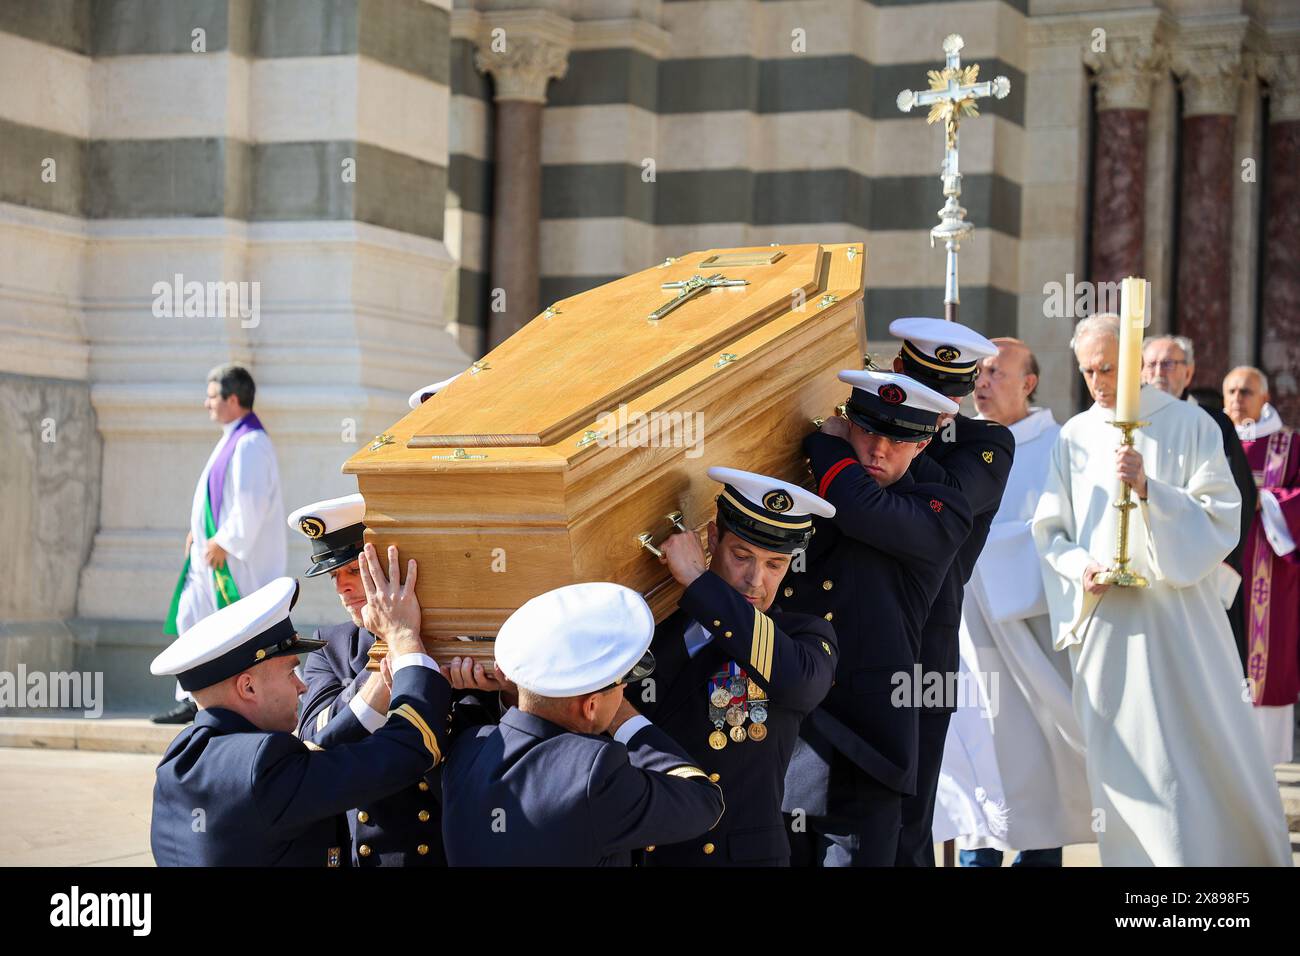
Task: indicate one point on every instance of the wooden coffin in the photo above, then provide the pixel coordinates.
(524, 475)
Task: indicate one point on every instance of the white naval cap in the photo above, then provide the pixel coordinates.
(577, 639)
(336, 530)
(943, 354)
(894, 405)
(422, 395)
(768, 512)
(254, 629)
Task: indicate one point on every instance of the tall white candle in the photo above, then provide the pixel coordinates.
(1132, 319)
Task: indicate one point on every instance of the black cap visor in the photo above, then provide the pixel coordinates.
(898, 422)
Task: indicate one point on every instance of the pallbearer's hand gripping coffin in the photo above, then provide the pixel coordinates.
(545, 463)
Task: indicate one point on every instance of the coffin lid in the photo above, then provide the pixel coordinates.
(588, 353)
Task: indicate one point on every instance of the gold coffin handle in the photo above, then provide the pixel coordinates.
(675, 518)
(646, 540)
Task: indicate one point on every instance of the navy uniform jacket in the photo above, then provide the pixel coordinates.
(268, 799)
(977, 463)
(873, 571)
(527, 792)
(403, 829)
(792, 658)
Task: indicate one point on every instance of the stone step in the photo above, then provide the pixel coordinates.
(127, 735)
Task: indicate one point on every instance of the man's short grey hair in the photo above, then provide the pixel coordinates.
(1258, 373)
(1103, 323)
(1182, 341)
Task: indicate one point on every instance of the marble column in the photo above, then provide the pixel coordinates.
(1123, 74)
(1210, 77)
(522, 59)
(1280, 345)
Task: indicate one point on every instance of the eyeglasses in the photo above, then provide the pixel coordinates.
(1168, 365)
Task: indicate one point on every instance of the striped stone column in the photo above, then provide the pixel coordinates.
(1210, 78)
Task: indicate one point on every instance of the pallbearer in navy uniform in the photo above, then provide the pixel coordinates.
(873, 571)
(975, 455)
(734, 674)
(345, 703)
(573, 775)
(236, 787)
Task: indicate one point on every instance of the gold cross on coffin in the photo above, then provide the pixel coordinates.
(688, 289)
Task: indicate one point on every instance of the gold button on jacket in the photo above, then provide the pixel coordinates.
(424, 816)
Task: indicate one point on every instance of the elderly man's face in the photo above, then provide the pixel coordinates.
(1165, 366)
(1243, 398)
(1097, 355)
(1003, 385)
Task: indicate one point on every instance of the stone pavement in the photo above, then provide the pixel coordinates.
(75, 807)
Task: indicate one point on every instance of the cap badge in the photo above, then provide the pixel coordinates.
(778, 501)
(947, 353)
(312, 527)
(892, 395)
(988, 457)
(936, 505)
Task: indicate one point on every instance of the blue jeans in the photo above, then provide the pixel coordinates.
(987, 856)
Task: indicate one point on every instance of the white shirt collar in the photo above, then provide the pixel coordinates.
(1269, 422)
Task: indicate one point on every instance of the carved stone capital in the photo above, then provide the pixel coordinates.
(1210, 77)
(1125, 71)
(522, 62)
(1281, 71)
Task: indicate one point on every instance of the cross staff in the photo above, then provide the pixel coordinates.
(951, 96)
(688, 289)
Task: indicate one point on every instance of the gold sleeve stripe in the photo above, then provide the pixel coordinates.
(311, 746)
(760, 652)
(322, 719)
(687, 772)
(430, 741)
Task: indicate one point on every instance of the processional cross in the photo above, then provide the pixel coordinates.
(688, 289)
(951, 97)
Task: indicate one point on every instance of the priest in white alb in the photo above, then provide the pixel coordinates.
(1175, 766)
(236, 543)
(1035, 767)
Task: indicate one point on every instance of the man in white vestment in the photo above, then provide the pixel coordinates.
(1037, 747)
(1175, 768)
(236, 542)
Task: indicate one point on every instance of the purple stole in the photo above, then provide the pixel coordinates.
(217, 476)
(1261, 571)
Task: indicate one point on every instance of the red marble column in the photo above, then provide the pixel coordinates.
(1123, 73)
(516, 216)
(1118, 194)
(1205, 243)
(527, 52)
(1280, 346)
(1210, 76)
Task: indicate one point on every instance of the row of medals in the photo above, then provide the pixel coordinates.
(733, 699)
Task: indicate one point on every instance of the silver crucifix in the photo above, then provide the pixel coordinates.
(688, 289)
(952, 95)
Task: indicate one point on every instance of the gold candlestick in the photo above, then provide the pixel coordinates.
(1119, 574)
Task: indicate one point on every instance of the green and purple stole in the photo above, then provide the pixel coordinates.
(223, 581)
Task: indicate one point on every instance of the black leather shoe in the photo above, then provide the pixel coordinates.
(182, 713)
